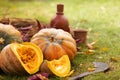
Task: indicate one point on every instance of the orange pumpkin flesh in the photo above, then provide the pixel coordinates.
(60, 67)
(28, 58)
(55, 43)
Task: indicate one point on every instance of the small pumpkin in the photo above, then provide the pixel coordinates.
(8, 34)
(60, 67)
(55, 43)
(24, 58)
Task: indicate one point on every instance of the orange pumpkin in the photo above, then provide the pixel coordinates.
(55, 43)
(8, 34)
(20, 59)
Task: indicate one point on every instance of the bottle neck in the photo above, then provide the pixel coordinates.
(60, 13)
(60, 9)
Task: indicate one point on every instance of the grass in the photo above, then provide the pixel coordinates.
(100, 17)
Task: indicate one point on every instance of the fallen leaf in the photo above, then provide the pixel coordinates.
(91, 69)
(39, 76)
(104, 49)
(114, 59)
(90, 51)
(100, 57)
(91, 45)
(81, 64)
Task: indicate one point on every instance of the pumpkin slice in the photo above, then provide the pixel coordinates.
(29, 55)
(60, 67)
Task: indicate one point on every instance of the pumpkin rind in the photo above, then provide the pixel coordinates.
(55, 43)
(9, 63)
(60, 67)
(8, 34)
(21, 58)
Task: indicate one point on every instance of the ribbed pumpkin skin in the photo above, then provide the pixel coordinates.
(21, 59)
(9, 63)
(8, 34)
(55, 43)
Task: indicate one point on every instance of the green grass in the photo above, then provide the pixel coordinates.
(100, 17)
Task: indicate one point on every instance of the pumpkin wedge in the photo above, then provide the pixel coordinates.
(60, 67)
(21, 58)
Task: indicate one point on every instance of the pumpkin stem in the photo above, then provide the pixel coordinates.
(52, 38)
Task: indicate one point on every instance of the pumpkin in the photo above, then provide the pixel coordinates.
(8, 34)
(60, 67)
(19, 59)
(55, 43)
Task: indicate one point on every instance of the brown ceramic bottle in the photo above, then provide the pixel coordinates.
(60, 21)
